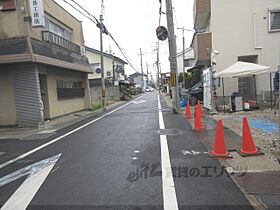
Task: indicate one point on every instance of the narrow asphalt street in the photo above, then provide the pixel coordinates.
(120, 161)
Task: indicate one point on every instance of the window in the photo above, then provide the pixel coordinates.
(67, 89)
(7, 5)
(274, 20)
(58, 30)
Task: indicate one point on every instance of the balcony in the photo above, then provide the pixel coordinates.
(59, 41)
(201, 43)
(201, 12)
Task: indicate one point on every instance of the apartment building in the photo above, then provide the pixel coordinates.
(240, 30)
(43, 70)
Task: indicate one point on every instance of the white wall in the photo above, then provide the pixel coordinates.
(235, 33)
(95, 58)
(138, 80)
(188, 54)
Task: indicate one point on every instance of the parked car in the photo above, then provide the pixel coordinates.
(149, 89)
(196, 93)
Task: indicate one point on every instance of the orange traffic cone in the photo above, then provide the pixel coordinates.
(219, 149)
(188, 111)
(248, 145)
(197, 122)
(198, 111)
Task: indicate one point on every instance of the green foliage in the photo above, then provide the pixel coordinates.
(96, 105)
(191, 78)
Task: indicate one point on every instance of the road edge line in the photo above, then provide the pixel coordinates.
(168, 187)
(64, 135)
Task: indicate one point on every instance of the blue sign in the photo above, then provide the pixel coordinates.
(98, 70)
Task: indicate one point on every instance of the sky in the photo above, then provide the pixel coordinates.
(133, 25)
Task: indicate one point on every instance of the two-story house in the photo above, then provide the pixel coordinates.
(114, 71)
(240, 30)
(137, 77)
(114, 67)
(43, 70)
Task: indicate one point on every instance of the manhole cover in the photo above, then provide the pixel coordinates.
(169, 132)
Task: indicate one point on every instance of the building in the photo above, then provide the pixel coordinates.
(189, 60)
(240, 30)
(136, 78)
(43, 70)
(114, 67)
(114, 71)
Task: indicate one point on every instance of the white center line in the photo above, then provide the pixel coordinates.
(63, 136)
(168, 187)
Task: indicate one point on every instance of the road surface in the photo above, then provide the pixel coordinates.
(119, 160)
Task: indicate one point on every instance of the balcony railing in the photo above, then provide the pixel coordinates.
(59, 41)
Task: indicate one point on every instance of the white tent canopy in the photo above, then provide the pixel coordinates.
(244, 69)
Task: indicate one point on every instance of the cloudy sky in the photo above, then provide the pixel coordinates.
(133, 24)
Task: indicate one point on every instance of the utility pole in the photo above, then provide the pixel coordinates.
(158, 65)
(172, 55)
(113, 67)
(147, 73)
(184, 80)
(102, 59)
(142, 78)
(102, 63)
(183, 36)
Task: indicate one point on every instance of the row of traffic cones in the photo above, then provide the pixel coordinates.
(219, 150)
(248, 145)
(198, 110)
(197, 116)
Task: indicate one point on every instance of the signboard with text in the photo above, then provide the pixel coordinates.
(173, 79)
(207, 88)
(37, 13)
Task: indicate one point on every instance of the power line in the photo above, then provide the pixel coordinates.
(79, 11)
(97, 22)
(85, 10)
(123, 53)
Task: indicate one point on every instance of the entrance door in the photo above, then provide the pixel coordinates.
(44, 95)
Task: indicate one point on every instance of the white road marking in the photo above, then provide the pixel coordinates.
(192, 152)
(139, 102)
(134, 158)
(168, 187)
(37, 173)
(136, 151)
(63, 136)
